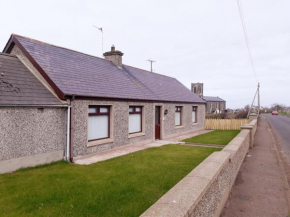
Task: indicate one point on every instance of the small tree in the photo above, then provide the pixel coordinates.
(278, 107)
(243, 112)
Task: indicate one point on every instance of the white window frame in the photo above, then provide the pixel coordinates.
(178, 110)
(194, 114)
(99, 111)
(136, 110)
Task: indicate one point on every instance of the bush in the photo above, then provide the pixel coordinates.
(242, 114)
(217, 116)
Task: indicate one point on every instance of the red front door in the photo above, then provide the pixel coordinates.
(157, 122)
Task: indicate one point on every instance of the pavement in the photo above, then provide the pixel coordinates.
(127, 149)
(261, 188)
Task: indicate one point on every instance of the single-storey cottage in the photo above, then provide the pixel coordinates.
(109, 104)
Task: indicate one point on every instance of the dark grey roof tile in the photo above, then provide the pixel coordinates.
(81, 74)
(18, 86)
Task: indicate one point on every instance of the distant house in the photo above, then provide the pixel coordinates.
(100, 103)
(214, 104)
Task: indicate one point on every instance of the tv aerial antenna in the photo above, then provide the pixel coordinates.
(101, 29)
(151, 63)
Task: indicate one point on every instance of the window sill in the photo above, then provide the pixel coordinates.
(179, 127)
(193, 124)
(136, 135)
(99, 142)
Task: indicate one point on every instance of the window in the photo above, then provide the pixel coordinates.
(135, 119)
(194, 114)
(178, 115)
(98, 122)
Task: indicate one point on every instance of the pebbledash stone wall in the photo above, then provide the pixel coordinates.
(119, 122)
(205, 190)
(187, 126)
(30, 132)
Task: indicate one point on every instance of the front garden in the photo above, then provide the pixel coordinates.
(217, 137)
(124, 186)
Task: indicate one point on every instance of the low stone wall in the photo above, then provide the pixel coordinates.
(205, 190)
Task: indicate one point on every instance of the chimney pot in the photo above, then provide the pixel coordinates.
(113, 48)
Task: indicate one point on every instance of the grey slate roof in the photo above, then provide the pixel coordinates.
(213, 99)
(75, 73)
(18, 86)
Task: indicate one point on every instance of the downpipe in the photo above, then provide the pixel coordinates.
(68, 135)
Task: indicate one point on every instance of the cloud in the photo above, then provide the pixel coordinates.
(194, 41)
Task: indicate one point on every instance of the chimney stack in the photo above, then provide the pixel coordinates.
(114, 56)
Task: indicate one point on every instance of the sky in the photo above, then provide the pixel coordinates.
(191, 40)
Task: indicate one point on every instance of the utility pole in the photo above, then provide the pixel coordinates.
(259, 99)
(151, 62)
(257, 93)
(101, 29)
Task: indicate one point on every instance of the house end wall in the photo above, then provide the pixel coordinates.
(30, 161)
(28, 131)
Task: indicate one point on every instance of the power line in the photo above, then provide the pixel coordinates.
(228, 88)
(238, 100)
(232, 43)
(246, 37)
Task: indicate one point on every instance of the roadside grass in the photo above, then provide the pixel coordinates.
(217, 137)
(124, 186)
(284, 113)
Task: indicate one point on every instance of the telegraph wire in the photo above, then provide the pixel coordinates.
(246, 37)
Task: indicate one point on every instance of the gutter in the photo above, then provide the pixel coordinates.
(40, 106)
(131, 99)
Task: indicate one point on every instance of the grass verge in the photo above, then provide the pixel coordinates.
(123, 186)
(284, 113)
(218, 137)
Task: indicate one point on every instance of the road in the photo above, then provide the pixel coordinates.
(281, 126)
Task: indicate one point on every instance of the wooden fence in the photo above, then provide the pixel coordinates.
(225, 124)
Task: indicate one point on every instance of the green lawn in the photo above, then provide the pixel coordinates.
(218, 137)
(124, 186)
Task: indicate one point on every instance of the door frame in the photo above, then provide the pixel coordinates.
(161, 120)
